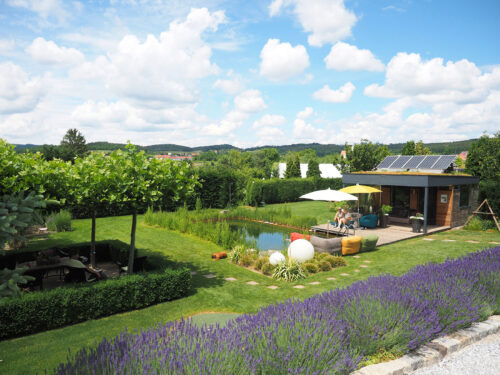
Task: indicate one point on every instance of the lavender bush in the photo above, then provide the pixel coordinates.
(331, 333)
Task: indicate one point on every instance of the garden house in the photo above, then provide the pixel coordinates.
(425, 184)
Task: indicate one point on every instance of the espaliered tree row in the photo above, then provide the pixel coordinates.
(125, 181)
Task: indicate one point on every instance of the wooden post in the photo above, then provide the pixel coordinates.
(477, 212)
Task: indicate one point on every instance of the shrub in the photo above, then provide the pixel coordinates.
(324, 265)
(260, 262)
(60, 222)
(235, 254)
(267, 268)
(9, 280)
(329, 333)
(336, 261)
(320, 256)
(288, 271)
(40, 311)
(310, 267)
(475, 224)
(247, 260)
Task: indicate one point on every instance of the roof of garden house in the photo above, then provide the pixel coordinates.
(418, 163)
(327, 170)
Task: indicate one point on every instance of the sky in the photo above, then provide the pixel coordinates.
(249, 73)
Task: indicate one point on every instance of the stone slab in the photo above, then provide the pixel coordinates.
(363, 266)
(427, 239)
(315, 283)
(449, 240)
(299, 286)
(210, 276)
(344, 274)
(230, 279)
(252, 283)
(193, 272)
(331, 278)
(273, 287)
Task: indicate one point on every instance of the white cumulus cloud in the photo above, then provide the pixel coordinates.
(327, 21)
(229, 86)
(249, 101)
(46, 9)
(344, 56)
(18, 93)
(159, 70)
(281, 61)
(269, 121)
(306, 113)
(47, 52)
(341, 95)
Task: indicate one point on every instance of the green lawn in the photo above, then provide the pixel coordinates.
(31, 354)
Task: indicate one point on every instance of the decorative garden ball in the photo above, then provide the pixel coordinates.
(301, 250)
(276, 258)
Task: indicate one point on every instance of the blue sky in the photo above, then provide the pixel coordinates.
(249, 73)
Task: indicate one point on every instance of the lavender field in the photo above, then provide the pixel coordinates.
(331, 333)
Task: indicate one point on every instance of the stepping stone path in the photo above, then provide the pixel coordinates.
(230, 279)
(331, 278)
(344, 274)
(299, 286)
(449, 240)
(363, 265)
(428, 239)
(495, 243)
(252, 283)
(210, 276)
(470, 241)
(273, 287)
(356, 270)
(367, 261)
(315, 283)
(356, 256)
(193, 272)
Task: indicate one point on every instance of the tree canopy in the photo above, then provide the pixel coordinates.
(363, 156)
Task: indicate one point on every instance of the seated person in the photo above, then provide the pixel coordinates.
(338, 217)
(346, 218)
(74, 264)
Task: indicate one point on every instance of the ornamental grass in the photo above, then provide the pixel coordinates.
(330, 333)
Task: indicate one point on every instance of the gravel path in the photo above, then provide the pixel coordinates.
(481, 358)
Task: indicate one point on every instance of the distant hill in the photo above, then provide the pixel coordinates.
(320, 149)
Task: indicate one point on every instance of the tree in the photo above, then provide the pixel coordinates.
(420, 149)
(17, 212)
(364, 156)
(142, 182)
(92, 187)
(307, 154)
(409, 148)
(73, 145)
(313, 168)
(293, 166)
(483, 160)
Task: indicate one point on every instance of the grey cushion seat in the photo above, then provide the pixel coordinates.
(327, 245)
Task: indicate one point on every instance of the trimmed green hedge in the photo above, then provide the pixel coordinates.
(287, 190)
(40, 311)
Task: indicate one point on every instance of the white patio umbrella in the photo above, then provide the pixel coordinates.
(330, 196)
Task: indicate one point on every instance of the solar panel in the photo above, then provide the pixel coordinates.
(444, 162)
(386, 163)
(429, 161)
(402, 160)
(414, 162)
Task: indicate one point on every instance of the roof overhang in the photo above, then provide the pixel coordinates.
(430, 180)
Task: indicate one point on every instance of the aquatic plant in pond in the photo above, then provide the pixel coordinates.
(330, 333)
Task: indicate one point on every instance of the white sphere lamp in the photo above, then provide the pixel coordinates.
(301, 250)
(276, 258)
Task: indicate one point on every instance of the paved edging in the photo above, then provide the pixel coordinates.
(435, 351)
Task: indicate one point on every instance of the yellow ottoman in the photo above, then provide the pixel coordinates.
(351, 245)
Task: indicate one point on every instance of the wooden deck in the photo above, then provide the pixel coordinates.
(393, 233)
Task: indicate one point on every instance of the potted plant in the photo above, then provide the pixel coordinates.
(417, 222)
(385, 210)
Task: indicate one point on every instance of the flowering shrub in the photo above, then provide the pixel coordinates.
(330, 333)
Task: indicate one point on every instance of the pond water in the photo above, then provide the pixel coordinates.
(263, 236)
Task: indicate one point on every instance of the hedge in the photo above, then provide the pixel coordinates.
(40, 311)
(286, 190)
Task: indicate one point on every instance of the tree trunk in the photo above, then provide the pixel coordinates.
(92, 241)
(131, 254)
